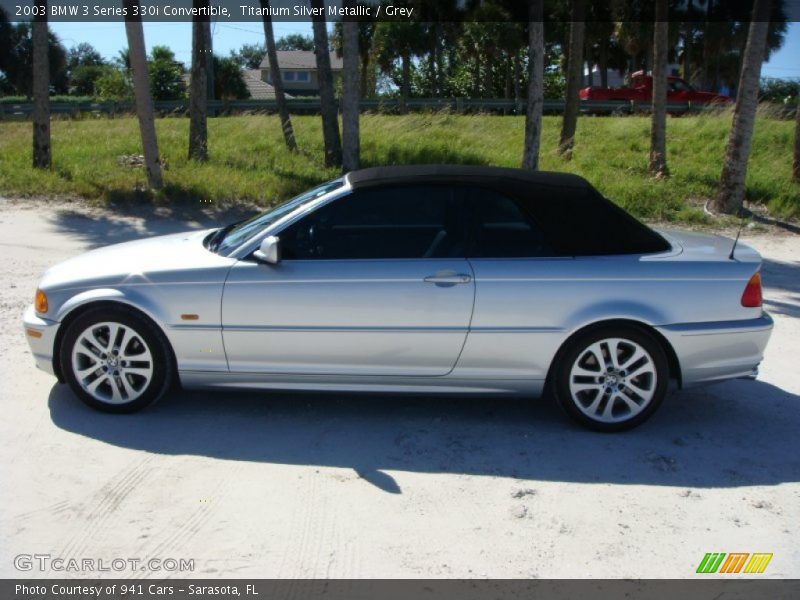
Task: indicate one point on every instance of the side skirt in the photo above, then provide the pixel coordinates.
(205, 380)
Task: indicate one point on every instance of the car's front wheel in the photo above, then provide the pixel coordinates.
(115, 360)
(612, 379)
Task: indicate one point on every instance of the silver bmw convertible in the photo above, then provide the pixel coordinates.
(425, 279)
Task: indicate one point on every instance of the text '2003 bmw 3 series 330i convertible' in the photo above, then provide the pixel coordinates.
(424, 279)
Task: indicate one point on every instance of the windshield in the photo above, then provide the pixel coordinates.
(234, 236)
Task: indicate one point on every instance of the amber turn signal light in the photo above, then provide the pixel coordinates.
(41, 302)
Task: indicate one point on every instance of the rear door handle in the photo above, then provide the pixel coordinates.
(451, 279)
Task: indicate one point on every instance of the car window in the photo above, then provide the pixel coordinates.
(246, 229)
(502, 229)
(381, 223)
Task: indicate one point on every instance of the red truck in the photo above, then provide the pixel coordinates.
(641, 90)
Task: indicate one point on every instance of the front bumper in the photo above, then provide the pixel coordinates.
(710, 352)
(41, 336)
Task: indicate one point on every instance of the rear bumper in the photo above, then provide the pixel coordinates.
(710, 352)
(41, 336)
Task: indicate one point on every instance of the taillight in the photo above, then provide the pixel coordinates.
(752, 292)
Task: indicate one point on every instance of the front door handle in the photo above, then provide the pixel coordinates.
(450, 278)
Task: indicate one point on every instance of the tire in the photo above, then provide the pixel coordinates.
(115, 360)
(611, 379)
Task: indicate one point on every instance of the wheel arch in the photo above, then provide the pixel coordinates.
(78, 309)
(672, 358)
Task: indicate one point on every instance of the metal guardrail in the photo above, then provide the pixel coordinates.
(382, 105)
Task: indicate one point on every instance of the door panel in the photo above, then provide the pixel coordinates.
(349, 317)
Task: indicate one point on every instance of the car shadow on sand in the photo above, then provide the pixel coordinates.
(738, 433)
(782, 276)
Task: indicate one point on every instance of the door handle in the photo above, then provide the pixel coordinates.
(451, 279)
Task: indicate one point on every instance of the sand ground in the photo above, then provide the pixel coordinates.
(314, 485)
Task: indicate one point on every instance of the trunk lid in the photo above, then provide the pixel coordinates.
(692, 246)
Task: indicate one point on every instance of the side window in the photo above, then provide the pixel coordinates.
(502, 230)
(381, 223)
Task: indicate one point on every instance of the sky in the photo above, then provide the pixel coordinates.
(109, 38)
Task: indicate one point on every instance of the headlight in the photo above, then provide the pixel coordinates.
(40, 303)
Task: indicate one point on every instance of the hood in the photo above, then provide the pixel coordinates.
(168, 258)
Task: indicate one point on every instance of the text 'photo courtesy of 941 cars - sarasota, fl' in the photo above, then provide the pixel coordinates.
(424, 279)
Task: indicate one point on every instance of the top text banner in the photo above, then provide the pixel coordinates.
(685, 11)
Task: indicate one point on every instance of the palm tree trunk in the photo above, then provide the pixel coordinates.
(277, 82)
(405, 82)
(687, 52)
(533, 116)
(209, 45)
(577, 28)
(730, 197)
(330, 118)
(198, 94)
(41, 89)
(141, 92)
(365, 88)
(796, 163)
(351, 95)
(603, 62)
(658, 129)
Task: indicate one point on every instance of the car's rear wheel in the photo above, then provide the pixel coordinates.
(115, 360)
(612, 379)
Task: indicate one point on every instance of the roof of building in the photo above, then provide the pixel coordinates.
(301, 59)
(432, 173)
(258, 88)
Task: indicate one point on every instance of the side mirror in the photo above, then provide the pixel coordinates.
(269, 251)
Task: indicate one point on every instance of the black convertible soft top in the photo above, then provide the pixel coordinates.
(573, 215)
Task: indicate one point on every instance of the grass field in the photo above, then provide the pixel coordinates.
(249, 162)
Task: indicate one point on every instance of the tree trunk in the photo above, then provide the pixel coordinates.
(730, 197)
(603, 60)
(687, 53)
(405, 84)
(796, 163)
(533, 116)
(198, 93)
(517, 77)
(658, 129)
(437, 57)
(577, 28)
(351, 95)
(209, 45)
(330, 118)
(141, 92)
(41, 89)
(366, 92)
(277, 82)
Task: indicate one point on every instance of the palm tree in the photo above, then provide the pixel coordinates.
(141, 91)
(277, 82)
(330, 118)
(533, 117)
(198, 94)
(41, 89)
(796, 163)
(351, 94)
(574, 68)
(730, 197)
(658, 129)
